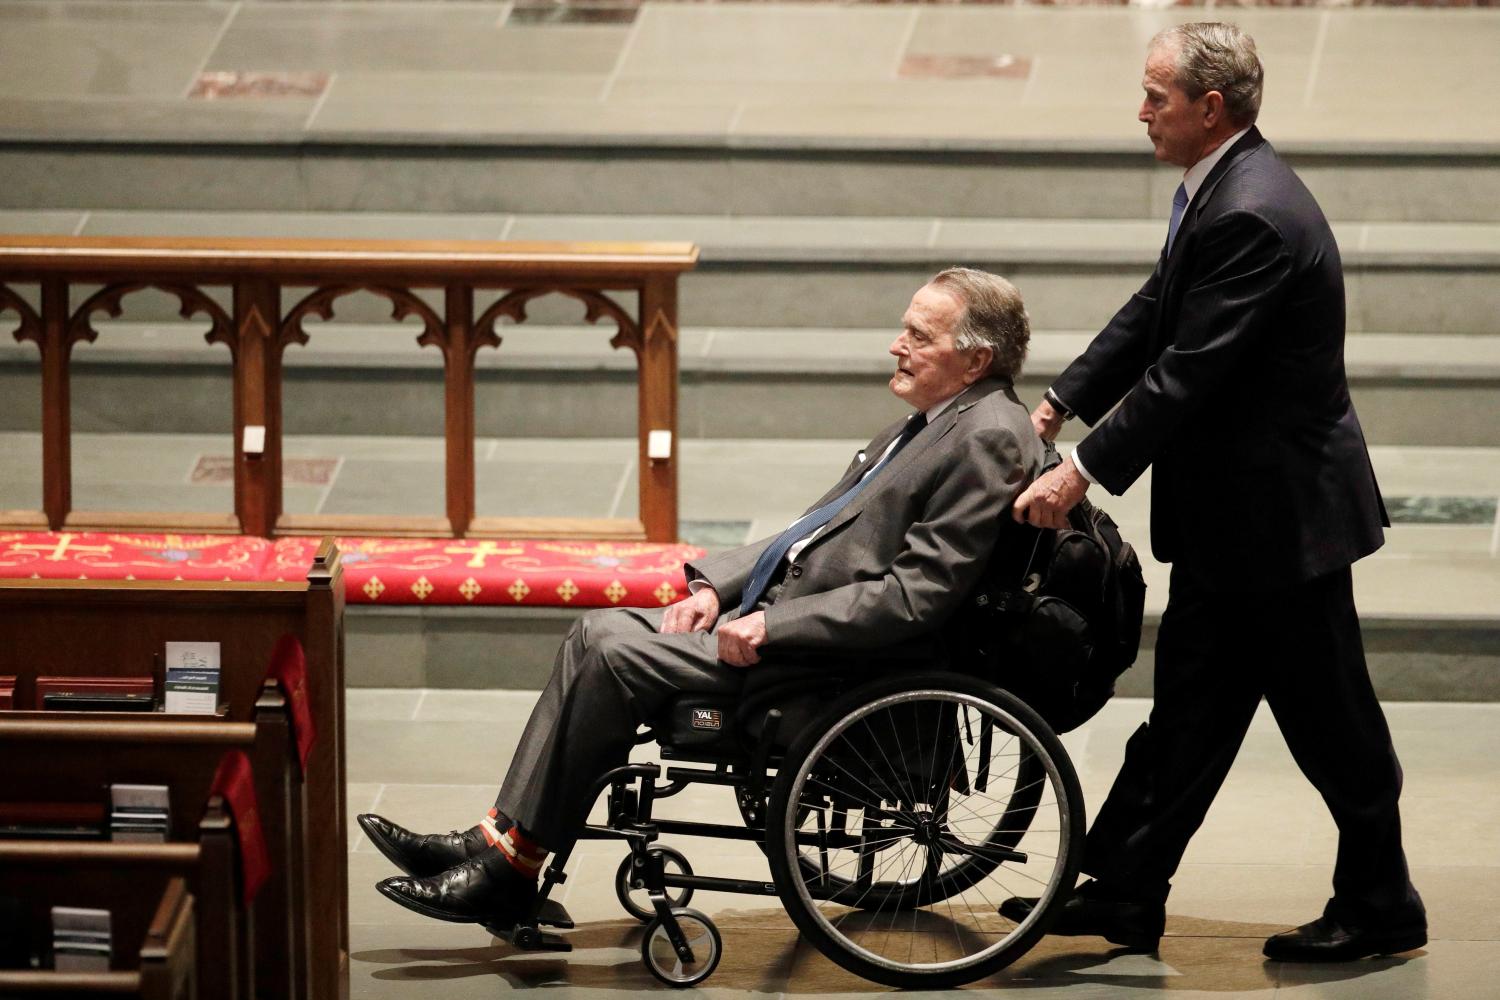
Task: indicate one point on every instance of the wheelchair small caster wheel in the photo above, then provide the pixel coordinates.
(634, 900)
(702, 940)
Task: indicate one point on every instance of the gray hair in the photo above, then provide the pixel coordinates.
(1213, 55)
(994, 316)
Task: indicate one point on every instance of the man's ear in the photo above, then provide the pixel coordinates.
(979, 364)
(1213, 108)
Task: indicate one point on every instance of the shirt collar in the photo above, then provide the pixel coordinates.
(936, 409)
(1198, 172)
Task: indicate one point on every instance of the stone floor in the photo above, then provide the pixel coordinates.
(1261, 863)
(747, 73)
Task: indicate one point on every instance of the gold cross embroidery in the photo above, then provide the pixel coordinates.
(479, 552)
(64, 548)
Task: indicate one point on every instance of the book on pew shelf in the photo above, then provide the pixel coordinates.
(52, 821)
(192, 678)
(80, 939)
(139, 813)
(7, 693)
(86, 694)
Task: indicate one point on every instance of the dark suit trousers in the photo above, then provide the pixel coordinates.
(1217, 654)
(613, 672)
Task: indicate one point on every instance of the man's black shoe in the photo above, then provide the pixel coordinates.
(1328, 940)
(421, 854)
(483, 890)
(1134, 925)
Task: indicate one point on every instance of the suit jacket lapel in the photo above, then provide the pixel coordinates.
(927, 440)
(1249, 142)
(1171, 263)
(873, 451)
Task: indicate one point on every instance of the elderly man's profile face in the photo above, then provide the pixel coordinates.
(1174, 122)
(929, 366)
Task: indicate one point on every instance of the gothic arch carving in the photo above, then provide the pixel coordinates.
(596, 307)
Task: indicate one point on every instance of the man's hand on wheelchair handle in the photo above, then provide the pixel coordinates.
(695, 614)
(739, 639)
(1047, 421)
(1046, 502)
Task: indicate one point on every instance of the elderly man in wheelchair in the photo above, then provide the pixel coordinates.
(840, 679)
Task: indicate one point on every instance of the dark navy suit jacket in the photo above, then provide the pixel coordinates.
(1228, 368)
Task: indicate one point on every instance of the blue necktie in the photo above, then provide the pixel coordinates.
(1179, 205)
(765, 566)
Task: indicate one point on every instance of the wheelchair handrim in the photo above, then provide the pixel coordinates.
(1053, 776)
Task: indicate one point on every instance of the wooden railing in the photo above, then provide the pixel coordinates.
(258, 327)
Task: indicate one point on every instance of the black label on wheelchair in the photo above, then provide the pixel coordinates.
(707, 718)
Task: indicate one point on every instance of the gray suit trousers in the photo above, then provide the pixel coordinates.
(614, 672)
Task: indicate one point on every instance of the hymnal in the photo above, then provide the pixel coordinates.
(7, 693)
(80, 939)
(51, 820)
(139, 813)
(82, 694)
(193, 677)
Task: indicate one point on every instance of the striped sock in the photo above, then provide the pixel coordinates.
(524, 854)
(487, 827)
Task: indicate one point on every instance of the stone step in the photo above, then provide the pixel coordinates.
(1410, 389)
(1061, 176)
(860, 272)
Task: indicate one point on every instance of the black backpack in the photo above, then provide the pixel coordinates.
(1057, 617)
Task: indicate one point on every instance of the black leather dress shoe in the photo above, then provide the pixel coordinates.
(421, 854)
(1328, 940)
(483, 890)
(1134, 925)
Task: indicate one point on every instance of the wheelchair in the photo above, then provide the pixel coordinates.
(896, 814)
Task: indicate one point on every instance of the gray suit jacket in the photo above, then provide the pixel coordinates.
(895, 563)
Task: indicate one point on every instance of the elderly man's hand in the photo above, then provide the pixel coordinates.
(1046, 502)
(1047, 421)
(739, 639)
(697, 613)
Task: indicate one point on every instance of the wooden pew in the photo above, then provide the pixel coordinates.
(86, 752)
(165, 967)
(110, 876)
(112, 629)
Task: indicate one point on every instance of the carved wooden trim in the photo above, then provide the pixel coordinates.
(320, 303)
(660, 327)
(31, 322)
(191, 301)
(597, 306)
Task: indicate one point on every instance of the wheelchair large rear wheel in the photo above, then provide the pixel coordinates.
(902, 820)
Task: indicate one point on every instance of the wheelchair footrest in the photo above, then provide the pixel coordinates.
(527, 937)
(551, 913)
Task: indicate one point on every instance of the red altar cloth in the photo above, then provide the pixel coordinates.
(497, 571)
(376, 570)
(116, 555)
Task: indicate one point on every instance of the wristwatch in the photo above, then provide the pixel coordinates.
(1057, 404)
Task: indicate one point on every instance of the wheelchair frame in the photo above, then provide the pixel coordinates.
(682, 946)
